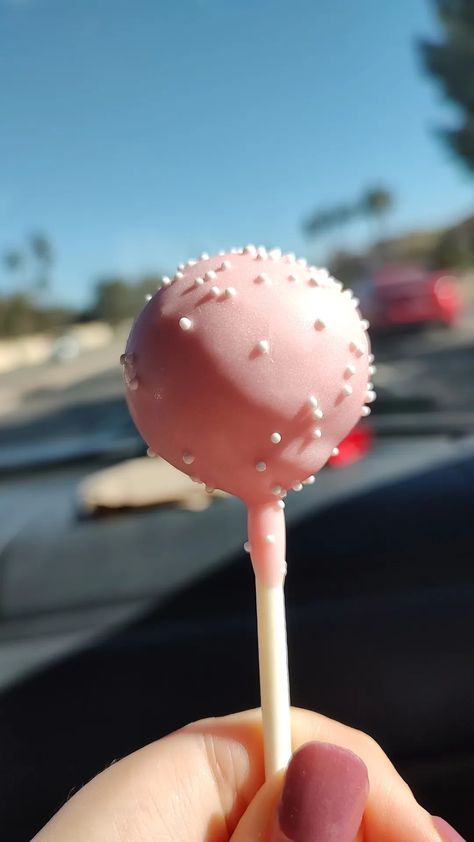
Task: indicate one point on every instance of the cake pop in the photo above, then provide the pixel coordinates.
(245, 370)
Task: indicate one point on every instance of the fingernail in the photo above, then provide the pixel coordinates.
(447, 833)
(324, 795)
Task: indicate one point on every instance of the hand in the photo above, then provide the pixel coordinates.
(205, 783)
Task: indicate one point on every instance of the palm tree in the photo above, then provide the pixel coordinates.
(13, 260)
(328, 219)
(375, 204)
(42, 251)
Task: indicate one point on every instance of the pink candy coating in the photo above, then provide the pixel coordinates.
(262, 345)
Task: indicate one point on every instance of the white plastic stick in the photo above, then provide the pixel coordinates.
(274, 683)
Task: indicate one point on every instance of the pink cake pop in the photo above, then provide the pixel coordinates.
(245, 371)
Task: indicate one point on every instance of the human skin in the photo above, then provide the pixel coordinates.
(205, 783)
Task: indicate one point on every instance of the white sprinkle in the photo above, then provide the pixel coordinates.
(302, 261)
(185, 323)
(270, 539)
(312, 401)
(214, 291)
(349, 370)
(226, 264)
(221, 253)
(290, 257)
(323, 274)
(280, 504)
(372, 369)
(319, 324)
(204, 255)
(336, 284)
(181, 266)
(277, 490)
(292, 278)
(211, 275)
(196, 480)
(365, 411)
(317, 433)
(313, 270)
(263, 279)
(284, 493)
(348, 293)
(250, 250)
(151, 453)
(188, 458)
(261, 253)
(370, 385)
(165, 281)
(199, 282)
(371, 358)
(365, 324)
(309, 480)
(133, 384)
(370, 397)
(275, 438)
(317, 413)
(148, 297)
(297, 486)
(230, 292)
(191, 262)
(284, 568)
(335, 451)
(261, 466)
(210, 489)
(347, 389)
(274, 254)
(247, 547)
(264, 346)
(178, 275)
(355, 302)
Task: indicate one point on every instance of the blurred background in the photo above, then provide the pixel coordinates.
(133, 136)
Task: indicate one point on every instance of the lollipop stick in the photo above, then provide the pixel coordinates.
(266, 529)
(274, 684)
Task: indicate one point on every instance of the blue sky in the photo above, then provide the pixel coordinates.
(136, 133)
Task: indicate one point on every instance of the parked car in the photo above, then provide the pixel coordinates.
(402, 295)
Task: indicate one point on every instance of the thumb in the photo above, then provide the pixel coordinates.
(322, 797)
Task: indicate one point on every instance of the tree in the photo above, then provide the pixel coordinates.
(328, 219)
(112, 300)
(36, 260)
(451, 61)
(375, 203)
(13, 260)
(42, 252)
(117, 299)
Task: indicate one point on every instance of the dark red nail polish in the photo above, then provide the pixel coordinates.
(447, 833)
(324, 795)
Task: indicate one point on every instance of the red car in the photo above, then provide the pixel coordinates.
(408, 295)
